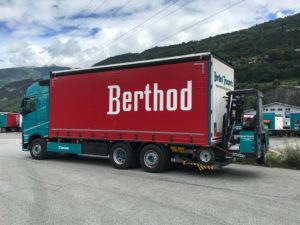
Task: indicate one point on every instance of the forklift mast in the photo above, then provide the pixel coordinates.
(235, 107)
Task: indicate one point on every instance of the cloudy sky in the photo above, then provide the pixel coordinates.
(79, 33)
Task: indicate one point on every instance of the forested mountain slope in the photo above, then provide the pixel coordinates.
(261, 53)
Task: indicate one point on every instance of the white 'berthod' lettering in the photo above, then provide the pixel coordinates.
(154, 100)
(114, 98)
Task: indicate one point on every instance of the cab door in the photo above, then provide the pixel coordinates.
(29, 113)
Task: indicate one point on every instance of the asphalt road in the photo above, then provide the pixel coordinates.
(85, 190)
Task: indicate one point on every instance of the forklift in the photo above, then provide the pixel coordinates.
(245, 135)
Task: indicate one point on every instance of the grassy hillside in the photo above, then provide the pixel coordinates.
(262, 53)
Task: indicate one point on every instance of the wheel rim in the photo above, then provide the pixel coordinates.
(36, 149)
(205, 156)
(151, 159)
(119, 156)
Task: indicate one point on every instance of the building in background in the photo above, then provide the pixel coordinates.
(280, 109)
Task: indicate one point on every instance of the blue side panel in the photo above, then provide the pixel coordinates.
(3, 120)
(271, 118)
(295, 121)
(247, 143)
(64, 147)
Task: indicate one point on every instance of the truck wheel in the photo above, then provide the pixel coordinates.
(154, 159)
(262, 160)
(121, 156)
(206, 156)
(38, 149)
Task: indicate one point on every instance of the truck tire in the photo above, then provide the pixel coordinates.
(263, 159)
(154, 159)
(38, 149)
(121, 155)
(206, 156)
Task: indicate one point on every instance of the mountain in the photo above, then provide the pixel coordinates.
(285, 94)
(15, 81)
(261, 53)
(23, 73)
(11, 95)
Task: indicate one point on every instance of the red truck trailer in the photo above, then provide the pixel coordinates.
(161, 100)
(9, 121)
(154, 112)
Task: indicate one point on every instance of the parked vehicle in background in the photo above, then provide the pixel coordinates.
(295, 124)
(153, 113)
(9, 122)
(275, 124)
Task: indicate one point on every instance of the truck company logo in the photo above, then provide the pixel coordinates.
(63, 148)
(222, 79)
(154, 99)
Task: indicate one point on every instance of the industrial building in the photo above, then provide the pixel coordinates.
(280, 109)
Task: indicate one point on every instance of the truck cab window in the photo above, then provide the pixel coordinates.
(28, 105)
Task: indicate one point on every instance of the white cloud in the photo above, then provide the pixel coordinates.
(281, 14)
(36, 33)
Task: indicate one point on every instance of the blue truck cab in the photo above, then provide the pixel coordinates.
(35, 111)
(3, 120)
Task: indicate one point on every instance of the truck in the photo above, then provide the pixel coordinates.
(151, 113)
(295, 124)
(9, 121)
(275, 124)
